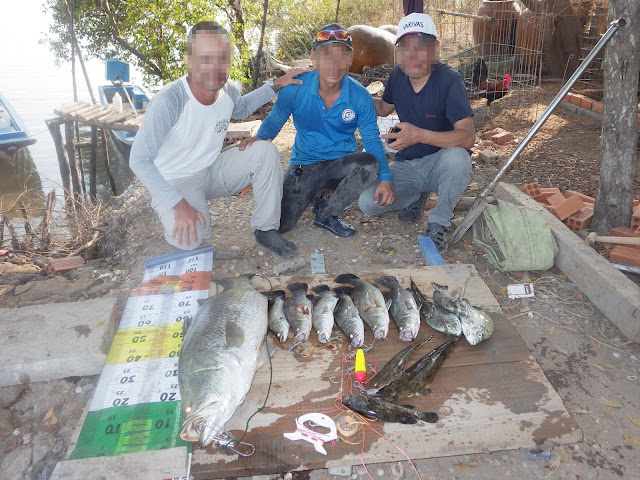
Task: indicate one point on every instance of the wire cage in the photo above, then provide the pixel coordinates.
(591, 82)
(496, 45)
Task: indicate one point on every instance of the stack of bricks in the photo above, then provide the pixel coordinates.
(587, 103)
(576, 210)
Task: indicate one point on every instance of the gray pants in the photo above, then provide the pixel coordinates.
(348, 176)
(446, 172)
(258, 165)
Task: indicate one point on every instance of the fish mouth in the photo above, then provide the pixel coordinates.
(202, 426)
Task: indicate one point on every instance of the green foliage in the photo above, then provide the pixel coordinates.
(151, 34)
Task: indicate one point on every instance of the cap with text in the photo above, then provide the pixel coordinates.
(416, 23)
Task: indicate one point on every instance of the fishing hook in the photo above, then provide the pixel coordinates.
(226, 440)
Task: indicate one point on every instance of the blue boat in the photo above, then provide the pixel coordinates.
(122, 96)
(13, 134)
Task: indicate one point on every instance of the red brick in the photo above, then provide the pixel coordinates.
(597, 107)
(555, 199)
(489, 134)
(531, 189)
(59, 265)
(625, 232)
(567, 98)
(586, 103)
(502, 138)
(570, 206)
(635, 203)
(575, 98)
(546, 192)
(583, 197)
(625, 254)
(581, 219)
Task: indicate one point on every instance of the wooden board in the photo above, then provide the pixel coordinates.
(493, 396)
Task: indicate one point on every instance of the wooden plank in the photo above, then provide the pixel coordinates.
(97, 114)
(79, 114)
(617, 297)
(490, 397)
(113, 117)
(69, 107)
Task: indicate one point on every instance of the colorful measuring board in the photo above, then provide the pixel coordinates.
(136, 405)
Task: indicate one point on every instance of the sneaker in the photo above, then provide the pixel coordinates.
(335, 225)
(438, 234)
(414, 211)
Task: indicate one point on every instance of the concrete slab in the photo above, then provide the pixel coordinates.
(149, 465)
(617, 297)
(56, 340)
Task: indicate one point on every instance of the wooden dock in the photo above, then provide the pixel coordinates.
(100, 116)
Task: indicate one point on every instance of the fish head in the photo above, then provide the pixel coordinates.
(209, 399)
(355, 402)
(407, 334)
(476, 333)
(206, 421)
(356, 339)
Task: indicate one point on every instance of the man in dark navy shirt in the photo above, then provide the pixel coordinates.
(435, 130)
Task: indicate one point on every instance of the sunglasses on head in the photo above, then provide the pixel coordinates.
(323, 35)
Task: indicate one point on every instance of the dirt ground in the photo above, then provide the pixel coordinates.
(592, 366)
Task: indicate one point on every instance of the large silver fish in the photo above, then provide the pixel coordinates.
(322, 318)
(436, 316)
(298, 309)
(278, 323)
(393, 368)
(414, 380)
(223, 346)
(403, 309)
(370, 302)
(347, 317)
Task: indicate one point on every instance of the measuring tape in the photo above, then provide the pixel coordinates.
(136, 405)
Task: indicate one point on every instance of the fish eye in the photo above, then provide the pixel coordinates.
(188, 409)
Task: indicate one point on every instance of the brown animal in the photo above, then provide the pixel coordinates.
(371, 47)
(390, 28)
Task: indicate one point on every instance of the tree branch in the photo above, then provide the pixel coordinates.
(126, 45)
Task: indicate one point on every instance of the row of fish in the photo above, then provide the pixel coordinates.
(349, 309)
(363, 303)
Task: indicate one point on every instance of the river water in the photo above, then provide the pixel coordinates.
(34, 85)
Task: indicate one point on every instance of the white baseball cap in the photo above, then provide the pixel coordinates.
(416, 23)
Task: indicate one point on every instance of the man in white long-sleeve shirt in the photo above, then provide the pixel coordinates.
(177, 151)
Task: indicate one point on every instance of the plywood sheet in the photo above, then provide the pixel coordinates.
(490, 397)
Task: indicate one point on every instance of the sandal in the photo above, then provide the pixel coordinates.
(438, 234)
(413, 212)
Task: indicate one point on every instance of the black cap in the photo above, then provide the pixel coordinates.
(332, 39)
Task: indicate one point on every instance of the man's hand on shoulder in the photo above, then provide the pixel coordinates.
(289, 78)
(408, 135)
(385, 194)
(185, 223)
(247, 142)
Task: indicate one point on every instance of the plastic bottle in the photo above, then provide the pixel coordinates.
(5, 119)
(117, 102)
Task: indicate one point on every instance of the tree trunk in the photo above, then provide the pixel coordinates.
(257, 61)
(619, 124)
(236, 16)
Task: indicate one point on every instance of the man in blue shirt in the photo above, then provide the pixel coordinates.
(435, 130)
(326, 111)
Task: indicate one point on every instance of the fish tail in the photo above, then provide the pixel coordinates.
(387, 281)
(294, 287)
(429, 417)
(320, 289)
(346, 278)
(443, 288)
